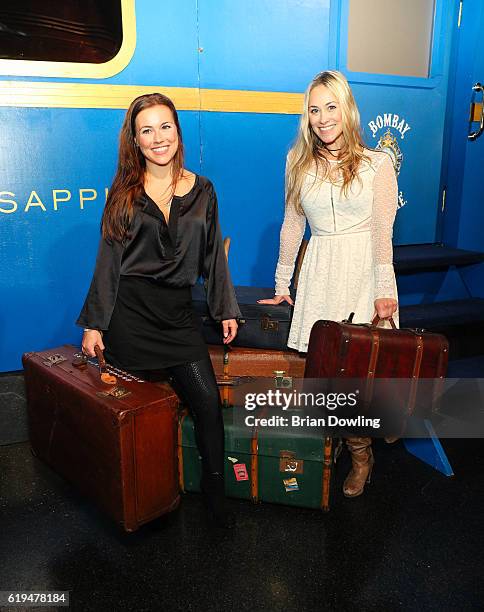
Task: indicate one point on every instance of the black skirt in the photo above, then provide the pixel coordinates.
(152, 326)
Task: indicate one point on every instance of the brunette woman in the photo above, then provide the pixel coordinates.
(160, 233)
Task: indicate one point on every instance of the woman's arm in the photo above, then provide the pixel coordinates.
(292, 232)
(385, 198)
(221, 300)
(99, 304)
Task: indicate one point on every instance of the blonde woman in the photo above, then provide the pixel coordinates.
(348, 193)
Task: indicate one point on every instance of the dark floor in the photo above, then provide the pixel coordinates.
(414, 541)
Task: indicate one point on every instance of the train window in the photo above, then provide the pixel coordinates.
(59, 31)
(390, 36)
(46, 37)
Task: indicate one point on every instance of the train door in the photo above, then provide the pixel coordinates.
(464, 182)
(397, 57)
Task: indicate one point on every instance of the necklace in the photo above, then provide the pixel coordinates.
(332, 152)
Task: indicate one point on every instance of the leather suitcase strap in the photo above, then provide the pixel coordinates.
(442, 363)
(225, 395)
(254, 468)
(418, 356)
(226, 361)
(343, 349)
(375, 349)
(415, 374)
(327, 460)
(181, 478)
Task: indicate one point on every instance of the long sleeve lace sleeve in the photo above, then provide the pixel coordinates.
(292, 232)
(385, 197)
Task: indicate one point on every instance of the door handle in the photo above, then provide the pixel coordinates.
(475, 135)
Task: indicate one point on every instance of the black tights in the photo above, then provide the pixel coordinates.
(196, 386)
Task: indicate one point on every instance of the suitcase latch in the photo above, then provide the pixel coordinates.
(281, 380)
(79, 360)
(269, 324)
(54, 360)
(289, 463)
(117, 392)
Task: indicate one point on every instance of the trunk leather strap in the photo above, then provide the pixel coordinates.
(181, 479)
(415, 374)
(327, 460)
(254, 468)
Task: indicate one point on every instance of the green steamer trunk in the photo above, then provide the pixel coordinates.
(273, 465)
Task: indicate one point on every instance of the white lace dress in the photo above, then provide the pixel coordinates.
(349, 259)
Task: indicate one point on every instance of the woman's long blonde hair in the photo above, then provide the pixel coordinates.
(307, 149)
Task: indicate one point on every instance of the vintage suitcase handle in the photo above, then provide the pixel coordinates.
(349, 319)
(106, 377)
(377, 319)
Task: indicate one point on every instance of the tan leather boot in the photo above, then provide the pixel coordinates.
(362, 460)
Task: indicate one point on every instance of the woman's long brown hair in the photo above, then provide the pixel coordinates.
(128, 181)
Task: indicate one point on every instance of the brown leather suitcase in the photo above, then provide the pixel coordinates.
(238, 361)
(116, 444)
(367, 351)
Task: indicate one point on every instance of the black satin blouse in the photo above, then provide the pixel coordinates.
(176, 255)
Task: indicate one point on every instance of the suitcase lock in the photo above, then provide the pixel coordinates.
(54, 360)
(268, 324)
(282, 381)
(289, 463)
(117, 392)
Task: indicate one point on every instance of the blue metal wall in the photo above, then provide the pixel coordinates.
(261, 45)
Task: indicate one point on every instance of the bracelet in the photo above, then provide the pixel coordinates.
(87, 329)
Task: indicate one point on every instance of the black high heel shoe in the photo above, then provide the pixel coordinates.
(213, 489)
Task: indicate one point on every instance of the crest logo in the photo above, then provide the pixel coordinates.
(388, 141)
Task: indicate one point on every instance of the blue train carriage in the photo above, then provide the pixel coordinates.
(237, 72)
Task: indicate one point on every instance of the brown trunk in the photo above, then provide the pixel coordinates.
(119, 450)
